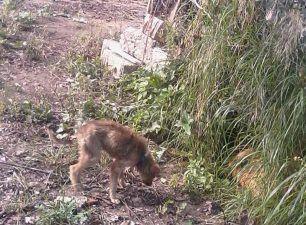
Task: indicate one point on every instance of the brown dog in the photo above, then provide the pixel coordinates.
(126, 149)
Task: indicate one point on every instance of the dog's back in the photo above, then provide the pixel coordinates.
(118, 141)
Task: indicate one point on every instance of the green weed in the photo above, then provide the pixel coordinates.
(197, 179)
(29, 112)
(61, 212)
(33, 48)
(8, 6)
(25, 21)
(79, 66)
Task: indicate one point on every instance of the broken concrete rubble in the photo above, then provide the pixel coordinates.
(142, 47)
(118, 60)
(134, 49)
(158, 61)
(138, 46)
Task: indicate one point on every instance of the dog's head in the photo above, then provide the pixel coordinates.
(147, 168)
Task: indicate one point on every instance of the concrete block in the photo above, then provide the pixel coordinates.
(118, 60)
(159, 59)
(136, 43)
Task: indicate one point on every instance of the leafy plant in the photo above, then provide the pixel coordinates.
(25, 18)
(198, 179)
(29, 111)
(78, 65)
(165, 206)
(33, 49)
(9, 5)
(61, 212)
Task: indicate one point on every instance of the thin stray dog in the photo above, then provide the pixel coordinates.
(126, 148)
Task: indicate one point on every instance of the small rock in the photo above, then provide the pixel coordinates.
(158, 60)
(29, 220)
(136, 43)
(80, 20)
(19, 152)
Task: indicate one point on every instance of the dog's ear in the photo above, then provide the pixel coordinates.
(155, 170)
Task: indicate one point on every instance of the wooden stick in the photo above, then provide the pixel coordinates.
(130, 210)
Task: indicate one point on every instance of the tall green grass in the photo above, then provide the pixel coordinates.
(244, 88)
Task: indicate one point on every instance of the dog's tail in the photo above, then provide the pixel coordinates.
(54, 139)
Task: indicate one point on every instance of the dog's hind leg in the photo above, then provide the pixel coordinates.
(85, 160)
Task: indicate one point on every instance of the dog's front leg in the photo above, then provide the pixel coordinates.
(116, 171)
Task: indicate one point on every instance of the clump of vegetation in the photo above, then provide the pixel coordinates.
(8, 6)
(33, 48)
(29, 111)
(79, 66)
(197, 179)
(12, 22)
(25, 21)
(87, 81)
(242, 93)
(84, 57)
(13, 19)
(61, 212)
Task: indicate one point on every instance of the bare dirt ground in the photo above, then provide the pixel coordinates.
(32, 171)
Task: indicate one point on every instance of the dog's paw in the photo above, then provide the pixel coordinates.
(115, 201)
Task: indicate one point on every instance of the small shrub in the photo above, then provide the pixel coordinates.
(89, 108)
(33, 49)
(78, 65)
(61, 212)
(25, 21)
(44, 11)
(9, 5)
(30, 112)
(197, 178)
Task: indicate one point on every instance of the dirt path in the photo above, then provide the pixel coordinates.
(32, 171)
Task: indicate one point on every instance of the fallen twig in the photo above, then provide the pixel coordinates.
(25, 167)
(130, 210)
(99, 198)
